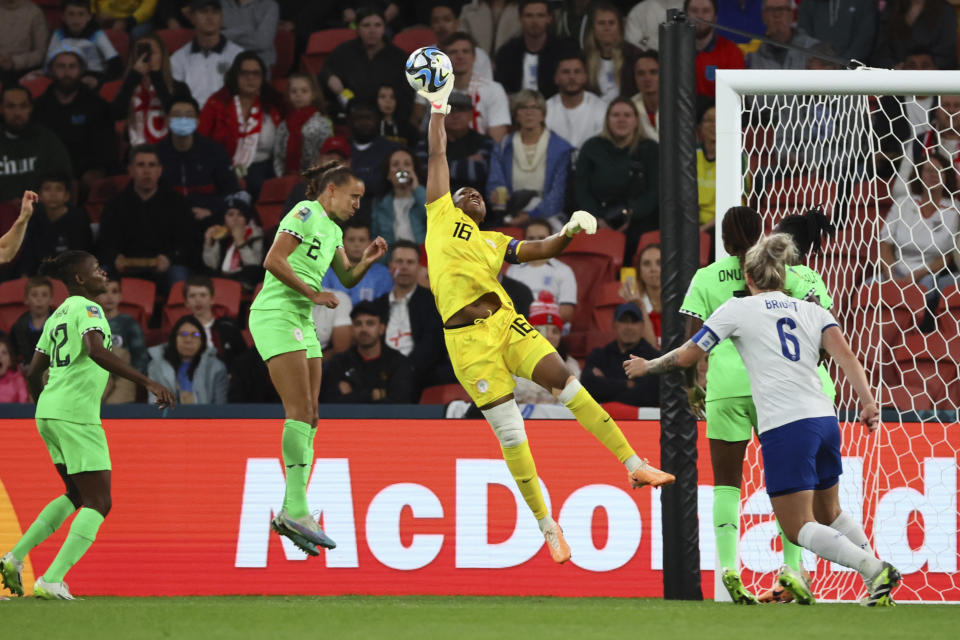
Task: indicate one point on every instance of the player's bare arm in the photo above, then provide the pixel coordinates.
(39, 364)
(682, 357)
(350, 274)
(10, 241)
(838, 348)
(93, 343)
(276, 263)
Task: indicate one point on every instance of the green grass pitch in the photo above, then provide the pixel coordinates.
(463, 618)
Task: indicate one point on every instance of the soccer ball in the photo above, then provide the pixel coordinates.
(428, 69)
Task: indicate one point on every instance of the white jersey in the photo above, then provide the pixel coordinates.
(779, 339)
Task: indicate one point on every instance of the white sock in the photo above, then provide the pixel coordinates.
(546, 522)
(852, 530)
(830, 544)
(633, 463)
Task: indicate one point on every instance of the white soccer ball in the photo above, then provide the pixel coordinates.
(428, 69)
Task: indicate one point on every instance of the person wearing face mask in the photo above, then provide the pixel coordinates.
(195, 166)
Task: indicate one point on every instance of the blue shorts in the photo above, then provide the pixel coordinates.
(801, 456)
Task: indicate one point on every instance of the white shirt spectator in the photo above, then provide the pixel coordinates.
(643, 22)
(917, 240)
(579, 124)
(554, 276)
(201, 70)
(607, 82)
(482, 66)
(490, 105)
(398, 334)
(325, 319)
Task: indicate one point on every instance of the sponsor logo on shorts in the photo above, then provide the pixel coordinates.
(298, 334)
(303, 214)
(483, 386)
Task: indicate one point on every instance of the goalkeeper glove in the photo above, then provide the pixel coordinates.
(580, 221)
(438, 99)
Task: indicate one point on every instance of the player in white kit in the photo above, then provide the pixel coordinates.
(780, 341)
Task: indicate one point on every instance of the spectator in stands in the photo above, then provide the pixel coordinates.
(552, 275)
(746, 15)
(908, 24)
(444, 22)
(188, 366)
(849, 27)
(778, 19)
(369, 371)
(603, 374)
(707, 166)
(125, 330)
(235, 249)
(13, 386)
(570, 19)
(399, 212)
(714, 51)
(393, 129)
(489, 23)
(252, 24)
(333, 325)
(147, 230)
(38, 296)
(58, 226)
(545, 317)
(23, 39)
(194, 166)
(368, 151)
(921, 229)
(359, 67)
(304, 129)
(643, 22)
(376, 282)
(645, 292)
(80, 118)
(529, 60)
(528, 171)
(574, 113)
(80, 33)
(901, 119)
(646, 73)
(147, 91)
(617, 177)
(222, 333)
(413, 327)
(27, 150)
(468, 152)
(610, 59)
(942, 138)
(491, 111)
(243, 116)
(133, 16)
(202, 63)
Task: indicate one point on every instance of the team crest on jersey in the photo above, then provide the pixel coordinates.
(93, 312)
(303, 214)
(483, 386)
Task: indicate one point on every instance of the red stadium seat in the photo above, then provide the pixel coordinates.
(594, 259)
(109, 90)
(443, 394)
(120, 41)
(599, 339)
(283, 43)
(273, 195)
(413, 38)
(35, 84)
(226, 301)
(11, 300)
(173, 39)
(604, 303)
(320, 45)
(101, 192)
(138, 298)
(653, 237)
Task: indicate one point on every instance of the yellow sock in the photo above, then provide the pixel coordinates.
(597, 421)
(524, 470)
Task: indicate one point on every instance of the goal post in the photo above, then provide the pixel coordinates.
(789, 141)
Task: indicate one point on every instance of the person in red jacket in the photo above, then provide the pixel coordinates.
(713, 50)
(243, 116)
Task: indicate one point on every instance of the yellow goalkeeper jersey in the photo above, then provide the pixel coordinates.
(462, 261)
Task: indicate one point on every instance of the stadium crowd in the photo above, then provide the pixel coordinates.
(166, 137)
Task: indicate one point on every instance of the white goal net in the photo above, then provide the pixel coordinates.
(879, 151)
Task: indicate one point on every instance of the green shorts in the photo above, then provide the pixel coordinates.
(81, 447)
(731, 419)
(275, 332)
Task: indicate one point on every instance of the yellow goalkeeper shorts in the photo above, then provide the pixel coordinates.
(487, 354)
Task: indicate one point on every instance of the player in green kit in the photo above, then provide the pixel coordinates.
(730, 413)
(75, 345)
(309, 241)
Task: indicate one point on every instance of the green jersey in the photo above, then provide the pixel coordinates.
(319, 237)
(711, 287)
(75, 387)
(811, 281)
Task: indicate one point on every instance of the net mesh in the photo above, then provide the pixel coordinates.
(884, 170)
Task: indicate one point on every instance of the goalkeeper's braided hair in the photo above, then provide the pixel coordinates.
(63, 266)
(766, 261)
(319, 176)
(741, 228)
(807, 230)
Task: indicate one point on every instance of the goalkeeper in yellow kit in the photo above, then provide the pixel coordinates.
(489, 342)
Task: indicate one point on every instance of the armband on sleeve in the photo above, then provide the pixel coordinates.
(511, 255)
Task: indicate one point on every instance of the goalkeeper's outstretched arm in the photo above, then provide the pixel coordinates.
(438, 171)
(552, 246)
